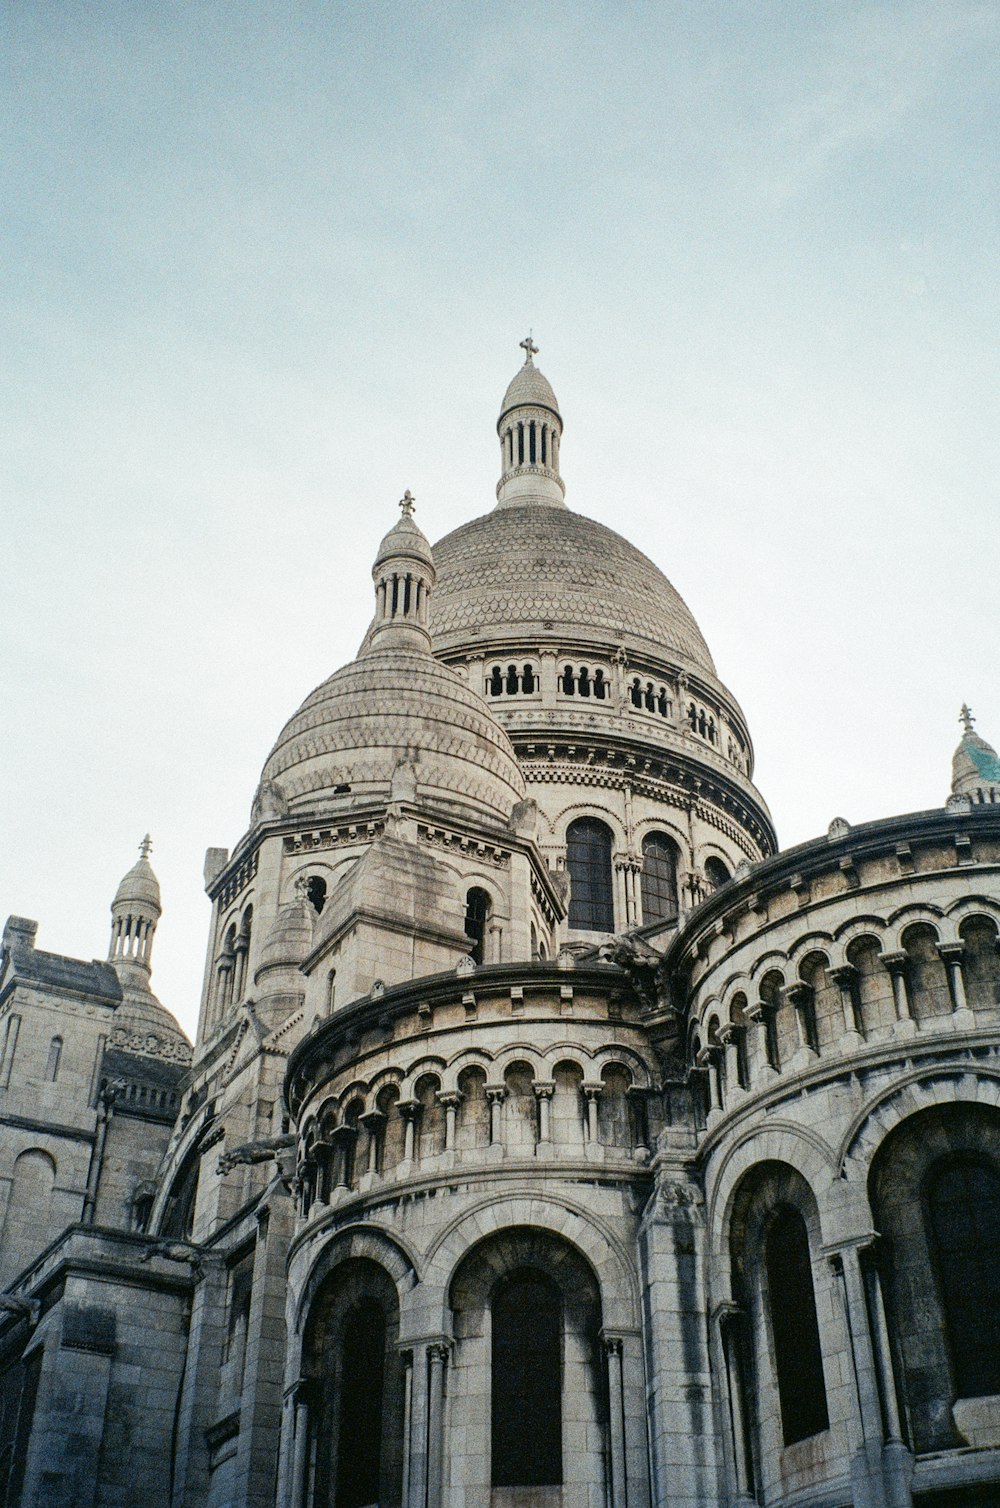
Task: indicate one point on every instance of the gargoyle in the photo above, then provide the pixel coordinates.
(12, 1303)
(256, 1151)
(639, 961)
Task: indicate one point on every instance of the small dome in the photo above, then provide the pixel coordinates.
(529, 386)
(397, 704)
(141, 1024)
(404, 540)
(975, 767)
(140, 885)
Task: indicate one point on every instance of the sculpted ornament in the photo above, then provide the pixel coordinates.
(251, 1152)
(639, 961)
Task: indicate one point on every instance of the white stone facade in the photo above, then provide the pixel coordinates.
(550, 1140)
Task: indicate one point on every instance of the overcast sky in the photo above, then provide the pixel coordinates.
(262, 267)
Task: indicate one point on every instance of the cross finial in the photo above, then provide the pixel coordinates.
(529, 348)
(407, 503)
(966, 718)
(146, 846)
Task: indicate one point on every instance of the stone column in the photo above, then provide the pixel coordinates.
(761, 1013)
(373, 1122)
(451, 1100)
(730, 1321)
(727, 1038)
(708, 1059)
(896, 964)
(952, 956)
(419, 1420)
(621, 893)
(846, 980)
(878, 1474)
(590, 1094)
(802, 997)
(438, 1356)
(407, 1359)
(616, 1416)
(345, 1140)
(543, 1094)
(300, 1449)
(496, 1094)
(409, 1110)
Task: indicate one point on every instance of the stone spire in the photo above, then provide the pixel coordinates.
(530, 430)
(975, 769)
(404, 577)
(135, 912)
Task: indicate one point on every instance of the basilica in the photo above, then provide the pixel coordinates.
(550, 1138)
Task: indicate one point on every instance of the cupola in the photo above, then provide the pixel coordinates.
(530, 430)
(404, 576)
(975, 768)
(135, 912)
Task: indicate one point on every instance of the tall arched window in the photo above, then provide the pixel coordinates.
(588, 857)
(526, 1388)
(359, 1438)
(798, 1358)
(963, 1205)
(477, 911)
(659, 878)
(716, 872)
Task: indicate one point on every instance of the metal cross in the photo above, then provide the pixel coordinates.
(529, 348)
(966, 718)
(146, 846)
(407, 502)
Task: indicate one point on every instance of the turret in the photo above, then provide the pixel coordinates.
(135, 912)
(404, 577)
(530, 430)
(975, 769)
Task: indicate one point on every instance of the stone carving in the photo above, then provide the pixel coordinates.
(270, 801)
(639, 961)
(251, 1152)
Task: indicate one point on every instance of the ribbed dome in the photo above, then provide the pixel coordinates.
(529, 385)
(404, 541)
(391, 705)
(522, 570)
(139, 885)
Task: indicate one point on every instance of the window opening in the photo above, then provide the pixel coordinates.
(527, 680)
(477, 910)
(588, 858)
(316, 892)
(963, 1202)
(55, 1053)
(568, 684)
(798, 1358)
(526, 1382)
(511, 680)
(496, 681)
(658, 881)
(359, 1437)
(600, 685)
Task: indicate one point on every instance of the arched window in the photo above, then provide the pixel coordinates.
(798, 1358)
(316, 892)
(477, 910)
(963, 1205)
(527, 680)
(658, 881)
(716, 872)
(568, 681)
(496, 681)
(635, 693)
(512, 680)
(588, 857)
(584, 681)
(526, 1382)
(55, 1053)
(600, 685)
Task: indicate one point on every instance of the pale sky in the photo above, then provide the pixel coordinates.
(262, 267)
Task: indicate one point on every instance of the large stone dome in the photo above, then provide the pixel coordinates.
(394, 705)
(532, 570)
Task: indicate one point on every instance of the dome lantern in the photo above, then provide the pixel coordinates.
(975, 768)
(530, 430)
(135, 912)
(404, 577)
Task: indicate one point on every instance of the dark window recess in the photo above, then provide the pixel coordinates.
(360, 1435)
(316, 892)
(341, 790)
(716, 872)
(588, 858)
(658, 881)
(963, 1201)
(477, 910)
(798, 1359)
(526, 1382)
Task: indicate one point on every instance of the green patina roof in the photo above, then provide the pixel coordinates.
(985, 759)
